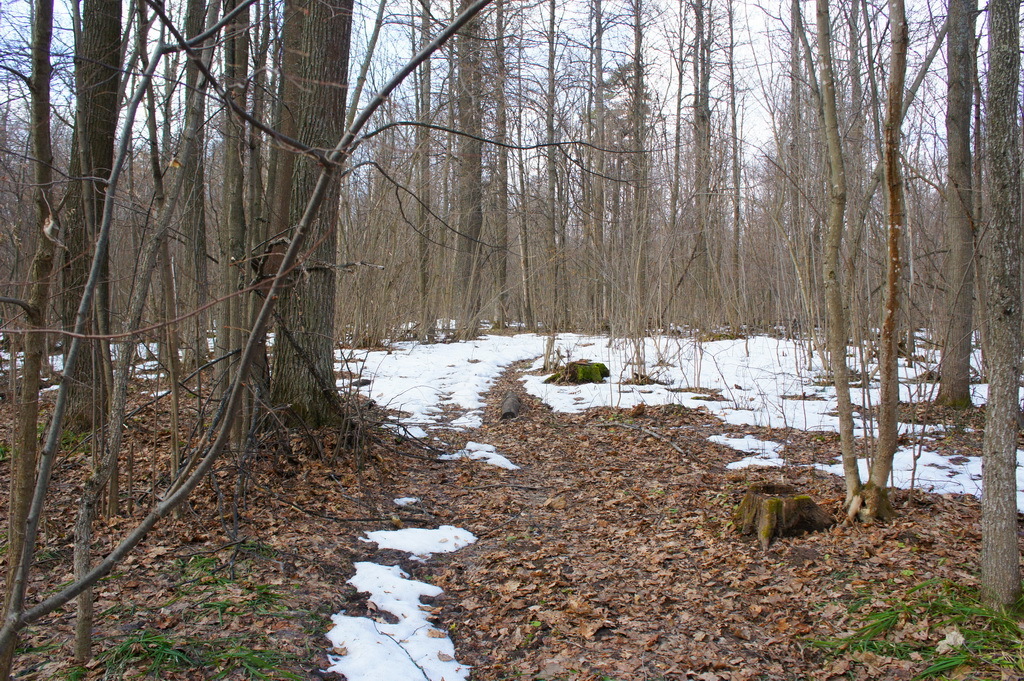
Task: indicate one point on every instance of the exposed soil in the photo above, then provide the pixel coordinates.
(611, 554)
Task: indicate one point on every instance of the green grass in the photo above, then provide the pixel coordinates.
(156, 651)
(228, 657)
(992, 639)
(74, 674)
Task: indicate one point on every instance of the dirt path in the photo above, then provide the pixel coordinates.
(611, 555)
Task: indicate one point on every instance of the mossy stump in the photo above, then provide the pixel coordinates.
(580, 371)
(774, 510)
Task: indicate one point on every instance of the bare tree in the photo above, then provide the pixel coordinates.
(835, 296)
(97, 82)
(469, 177)
(955, 366)
(303, 375)
(1000, 551)
(875, 493)
(25, 456)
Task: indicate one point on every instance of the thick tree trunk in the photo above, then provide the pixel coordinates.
(1000, 553)
(469, 178)
(955, 365)
(304, 352)
(97, 79)
(195, 281)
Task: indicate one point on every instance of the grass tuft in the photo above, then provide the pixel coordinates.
(156, 651)
(921, 624)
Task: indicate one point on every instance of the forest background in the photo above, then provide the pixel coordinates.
(194, 175)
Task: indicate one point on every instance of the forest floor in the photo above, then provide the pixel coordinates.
(610, 554)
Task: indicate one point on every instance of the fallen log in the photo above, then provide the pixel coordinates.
(511, 406)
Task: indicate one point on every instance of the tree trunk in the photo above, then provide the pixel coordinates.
(97, 79)
(195, 281)
(599, 302)
(703, 283)
(23, 461)
(639, 295)
(469, 178)
(421, 163)
(955, 365)
(835, 296)
(304, 353)
(233, 316)
(875, 494)
(501, 203)
(1000, 553)
(552, 255)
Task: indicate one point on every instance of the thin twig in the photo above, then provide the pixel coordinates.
(507, 484)
(644, 430)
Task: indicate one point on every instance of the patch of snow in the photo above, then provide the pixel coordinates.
(419, 379)
(765, 453)
(478, 451)
(406, 501)
(422, 542)
(934, 472)
(409, 650)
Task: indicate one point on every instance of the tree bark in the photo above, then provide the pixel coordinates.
(835, 297)
(25, 455)
(1000, 553)
(421, 164)
(552, 255)
(955, 364)
(97, 80)
(875, 493)
(195, 282)
(501, 203)
(304, 363)
(469, 178)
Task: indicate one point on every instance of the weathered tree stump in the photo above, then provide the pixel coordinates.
(511, 406)
(580, 371)
(775, 510)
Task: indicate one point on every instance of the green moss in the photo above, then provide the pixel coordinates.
(583, 371)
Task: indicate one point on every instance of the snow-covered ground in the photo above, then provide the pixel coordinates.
(756, 381)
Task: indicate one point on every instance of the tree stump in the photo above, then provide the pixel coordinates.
(511, 406)
(580, 371)
(775, 510)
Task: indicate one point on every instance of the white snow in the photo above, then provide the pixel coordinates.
(422, 379)
(765, 453)
(409, 650)
(478, 451)
(406, 501)
(760, 381)
(422, 542)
